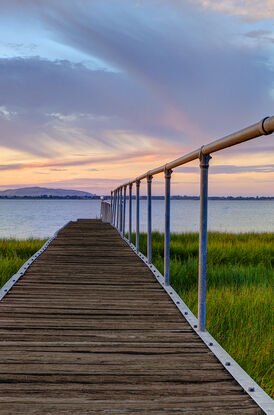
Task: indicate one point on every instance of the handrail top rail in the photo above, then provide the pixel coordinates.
(263, 127)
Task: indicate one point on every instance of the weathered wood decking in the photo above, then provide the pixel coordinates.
(88, 330)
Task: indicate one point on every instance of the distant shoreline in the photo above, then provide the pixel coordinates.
(133, 197)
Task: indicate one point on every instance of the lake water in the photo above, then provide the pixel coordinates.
(41, 218)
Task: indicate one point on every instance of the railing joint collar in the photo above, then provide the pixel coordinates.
(149, 178)
(204, 159)
(262, 129)
(168, 173)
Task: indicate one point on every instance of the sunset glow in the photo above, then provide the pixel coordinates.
(95, 93)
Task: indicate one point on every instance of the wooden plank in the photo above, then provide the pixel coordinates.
(88, 330)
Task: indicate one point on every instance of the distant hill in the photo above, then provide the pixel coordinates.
(44, 192)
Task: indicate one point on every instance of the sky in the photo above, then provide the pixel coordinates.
(96, 92)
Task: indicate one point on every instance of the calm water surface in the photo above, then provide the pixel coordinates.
(41, 218)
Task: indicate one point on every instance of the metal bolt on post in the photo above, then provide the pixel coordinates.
(137, 214)
(168, 173)
(149, 244)
(204, 164)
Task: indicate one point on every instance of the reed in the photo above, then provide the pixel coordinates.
(14, 253)
(240, 277)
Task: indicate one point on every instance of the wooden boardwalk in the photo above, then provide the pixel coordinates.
(88, 330)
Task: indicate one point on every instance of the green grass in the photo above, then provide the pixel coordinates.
(239, 289)
(239, 292)
(14, 253)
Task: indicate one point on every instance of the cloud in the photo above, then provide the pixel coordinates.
(257, 147)
(58, 102)
(14, 166)
(251, 10)
(99, 186)
(122, 158)
(258, 33)
(21, 47)
(6, 114)
(266, 36)
(230, 169)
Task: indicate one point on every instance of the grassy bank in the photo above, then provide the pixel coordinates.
(239, 294)
(13, 254)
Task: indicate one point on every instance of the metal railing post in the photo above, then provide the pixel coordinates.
(118, 208)
(111, 203)
(124, 211)
(101, 207)
(204, 163)
(114, 208)
(149, 246)
(130, 212)
(168, 173)
(121, 210)
(137, 215)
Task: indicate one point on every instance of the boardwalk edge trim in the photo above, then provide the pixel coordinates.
(10, 283)
(263, 400)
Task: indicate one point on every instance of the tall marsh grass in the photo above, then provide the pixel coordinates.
(13, 254)
(240, 277)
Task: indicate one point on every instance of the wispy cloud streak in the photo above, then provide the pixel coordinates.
(121, 158)
(231, 169)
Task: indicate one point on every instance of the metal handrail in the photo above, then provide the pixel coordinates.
(118, 202)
